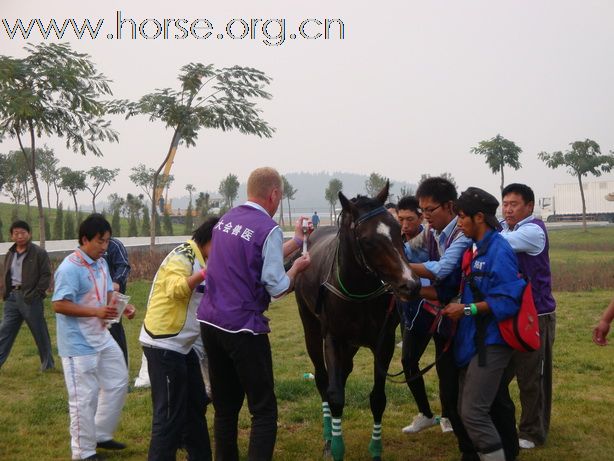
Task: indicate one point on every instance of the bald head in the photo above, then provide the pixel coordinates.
(261, 183)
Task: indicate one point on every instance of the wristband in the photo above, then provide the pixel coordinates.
(298, 241)
(474, 309)
(203, 272)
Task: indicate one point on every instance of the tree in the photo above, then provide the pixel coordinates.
(48, 167)
(58, 225)
(499, 152)
(69, 226)
(73, 181)
(332, 195)
(202, 204)
(133, 230)
(143, 177)
(582, 159)
(116, 223)
(168, 224)
(189, 219)
(375, 183)
(54, 91)
(207, 98)
(444, 175)
(100, 177)
(229, 189)
(289, 193)
(145, 225)
(406, 191)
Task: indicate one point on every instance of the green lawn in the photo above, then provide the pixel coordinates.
(34, 415)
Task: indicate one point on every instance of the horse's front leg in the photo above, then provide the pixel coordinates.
(377, 398)
(338, 355)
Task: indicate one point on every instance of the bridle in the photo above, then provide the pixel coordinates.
(342, 292)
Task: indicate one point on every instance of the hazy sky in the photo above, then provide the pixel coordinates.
(409, 90)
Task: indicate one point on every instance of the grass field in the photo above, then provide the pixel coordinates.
(34, 413)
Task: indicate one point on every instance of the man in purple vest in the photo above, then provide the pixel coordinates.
(245, 270)
(529, 239)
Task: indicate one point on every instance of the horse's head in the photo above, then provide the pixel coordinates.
(376, 238)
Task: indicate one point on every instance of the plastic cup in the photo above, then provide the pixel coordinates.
(119, 301)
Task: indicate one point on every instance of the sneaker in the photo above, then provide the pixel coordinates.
(526, 444)
(419, 423)
(445, 424)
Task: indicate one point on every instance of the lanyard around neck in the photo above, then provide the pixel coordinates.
(89, 268)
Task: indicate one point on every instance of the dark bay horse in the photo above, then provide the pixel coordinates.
(344, 300)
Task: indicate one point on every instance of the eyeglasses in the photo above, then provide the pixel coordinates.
(430, 211)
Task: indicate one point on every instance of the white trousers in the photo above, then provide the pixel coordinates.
(97, 385)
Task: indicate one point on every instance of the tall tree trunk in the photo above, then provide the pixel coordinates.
(94, 203)
(502, 179)
(583, 204)
(289, 212)
(74, 196)
(48, 197)
(173, 147)
(281, 214)
(32, 169)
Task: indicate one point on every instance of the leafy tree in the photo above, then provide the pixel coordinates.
(289, 193)
(143, 177)
(69, 226)
(406, 191)
(582, 159)
(499, 152)
(167, 223)
(207, 98)
(58, 224)
(332, 195)
(444, 175)
(48, 167)
(375, 183)
(73, 181)
(229, 189)
(145, 225)
(54, 91)
(202, 204)
(116, 223)
(116, 203)
(189, 219)
(133, 230)
(100, 177)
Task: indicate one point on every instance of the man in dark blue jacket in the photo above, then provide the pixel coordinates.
(491, 293)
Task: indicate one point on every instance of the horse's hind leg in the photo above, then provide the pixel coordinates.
(377, 398)
(314, 344)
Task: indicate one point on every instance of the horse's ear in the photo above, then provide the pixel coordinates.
(347, 205)
(383, 194)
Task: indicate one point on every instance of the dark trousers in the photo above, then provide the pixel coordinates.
(416, 338)
(485, 404)
(16, 310)
(448, 374)
(119, 335)
(179, 405)
(240, 365)
(533, 371)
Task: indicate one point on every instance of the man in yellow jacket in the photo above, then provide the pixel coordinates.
(168, 335)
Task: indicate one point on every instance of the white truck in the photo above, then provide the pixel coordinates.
(566, 203)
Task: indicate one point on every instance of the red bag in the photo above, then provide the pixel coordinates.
(520, 332)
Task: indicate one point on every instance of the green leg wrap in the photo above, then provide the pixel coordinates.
(327, 427)
(337, 447)
(375, 446)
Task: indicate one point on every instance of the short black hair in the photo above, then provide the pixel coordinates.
(95, 224)
(409, 202)
(204, 232)
(439, 189)
(20, 225)
(390, 205)
(521, 189)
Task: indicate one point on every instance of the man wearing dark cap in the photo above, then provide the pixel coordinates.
(491, 293)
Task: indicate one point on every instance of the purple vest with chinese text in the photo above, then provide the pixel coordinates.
(537, 270)
(236, 298)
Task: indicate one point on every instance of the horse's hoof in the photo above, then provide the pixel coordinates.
(326, 450)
